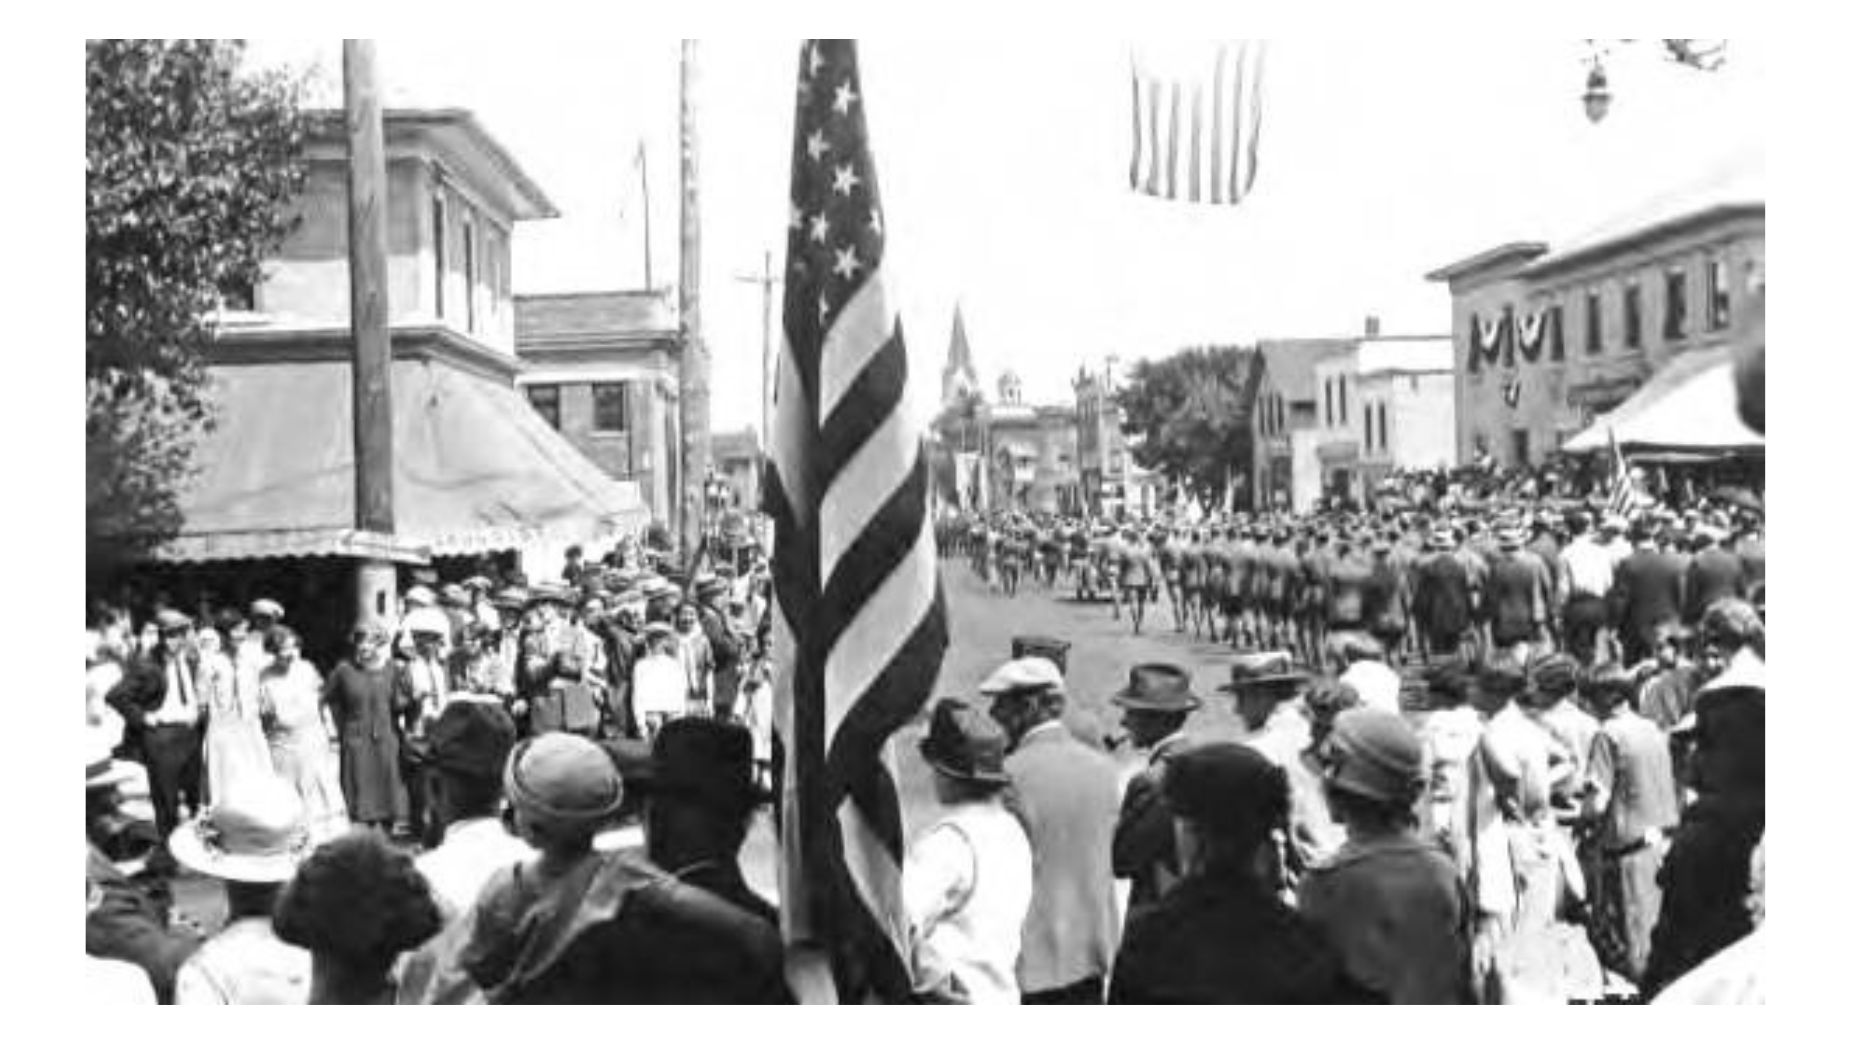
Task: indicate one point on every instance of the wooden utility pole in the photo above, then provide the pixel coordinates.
(376, 580)
(696, 437)
(765, 283)
(642, 165)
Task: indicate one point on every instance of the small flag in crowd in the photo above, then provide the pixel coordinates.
(1195, 124)
(1624, 498)
(859, 618)
(1513, 391)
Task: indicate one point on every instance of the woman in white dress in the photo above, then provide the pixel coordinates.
(235, 749)
(289, 695)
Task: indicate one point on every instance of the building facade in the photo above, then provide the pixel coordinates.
(1289, 407)
(737, 463)
(1545, 340)
(1110, 480)
(1384, 403)
(602, 369)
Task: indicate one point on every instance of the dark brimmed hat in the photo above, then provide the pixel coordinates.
(472, 737)
(1250, 671)
(1158, 687)
(1229, 789)
(172, 620)
(706, 761)
(965, 744)
(1052, 650)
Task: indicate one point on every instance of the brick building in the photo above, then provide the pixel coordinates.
(1547, 338)
(601, 368)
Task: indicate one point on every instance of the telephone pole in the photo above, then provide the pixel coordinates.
(696, 438)
(376, 578)
(765, 282)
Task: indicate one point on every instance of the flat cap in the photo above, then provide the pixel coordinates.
(1027, 674)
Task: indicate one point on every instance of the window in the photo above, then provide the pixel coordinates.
(1343, 398)
(1592, 334)
(1330, 412)
(1719, 293)
(545, 400)
(238, 294)
(609, 407)
(469, 274)
(1381, 425)
(1674, 305)
(1556, 349)
(439, 257)
(1368, 429)
(1635, 322)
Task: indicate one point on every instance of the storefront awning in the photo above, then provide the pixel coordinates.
(475, 469)
(1687, 407)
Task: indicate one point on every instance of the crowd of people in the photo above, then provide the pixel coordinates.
(1477, 756)
(1506, 754)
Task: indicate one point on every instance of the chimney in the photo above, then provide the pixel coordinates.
(1372, 326)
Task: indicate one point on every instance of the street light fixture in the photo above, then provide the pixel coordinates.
(1597, 99)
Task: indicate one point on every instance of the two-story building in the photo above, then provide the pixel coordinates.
(1546, 339)
(474, 470)
(1110, 479)
(1386, 403)
(1031, 451)
(603, 369)
(1289, 407)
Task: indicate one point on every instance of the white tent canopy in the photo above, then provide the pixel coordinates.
(1687, 406)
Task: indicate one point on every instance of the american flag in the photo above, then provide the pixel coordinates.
(858, 618)
(1624, 497)
(1195, 124)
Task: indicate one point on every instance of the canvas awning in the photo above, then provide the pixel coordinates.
(1687, 407)
(475, 469)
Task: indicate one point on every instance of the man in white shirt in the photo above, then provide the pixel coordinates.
(1376, 683)
(170, 733)
(660, 688)
(1587, 574)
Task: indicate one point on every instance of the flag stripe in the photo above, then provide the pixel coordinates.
(1137, 124)
(860, 331)
(864, 641)
(1156, 138)
(1216, 147)
(1176, 136)
(1195, 143)
(864, 486)
(1240, 75)
(1254, 110)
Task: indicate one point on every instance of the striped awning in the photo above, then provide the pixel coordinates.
(475, 469)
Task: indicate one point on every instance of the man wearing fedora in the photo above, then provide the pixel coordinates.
(969, 878)
(711, 594)
(469, 746)
(1066, 795)
(1157, 701)
(252, 842)
(698, 807)
(1267, 690)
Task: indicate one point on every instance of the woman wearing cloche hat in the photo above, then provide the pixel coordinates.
(1374, 774)
(969, 877)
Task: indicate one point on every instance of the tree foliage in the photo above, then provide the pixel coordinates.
(1187, 414)
(192, 165)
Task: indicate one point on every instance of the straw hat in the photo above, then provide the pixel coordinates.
(257, 834)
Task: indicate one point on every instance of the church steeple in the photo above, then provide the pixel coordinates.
(960, 375)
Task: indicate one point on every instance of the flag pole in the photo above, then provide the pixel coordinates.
(642, 160)
(695, 434)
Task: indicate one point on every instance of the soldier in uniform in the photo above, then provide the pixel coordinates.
(1137, 573)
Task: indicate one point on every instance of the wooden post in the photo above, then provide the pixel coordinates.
(767, 367)
(695, 433)
(372, 347)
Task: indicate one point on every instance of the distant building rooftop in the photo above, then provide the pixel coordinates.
(591, 319)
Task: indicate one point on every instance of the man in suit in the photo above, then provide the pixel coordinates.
(159, 703)
(1517, 605)
(1648, 589)
(1066, 795)
(1444, 596)
(1715, 573)
(1157, 702)
(711, 593)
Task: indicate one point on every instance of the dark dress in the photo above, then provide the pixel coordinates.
(1216, 939)
(361, 702)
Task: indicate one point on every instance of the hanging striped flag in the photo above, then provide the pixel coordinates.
(1195, 124)
(1624, 498)
(858, 618)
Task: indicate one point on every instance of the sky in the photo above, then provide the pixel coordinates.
(1002, 166)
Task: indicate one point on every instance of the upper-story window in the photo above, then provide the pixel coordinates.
(1381, 425)
(1634, 317)
(1556, 347)
(439, 242)
(609, 407)
(1592, 334)
(1719, 293)
(545, 400)
(1330, 405)
(1675, 310)
(1343, 399)
(1368, 429)
(469, 274)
